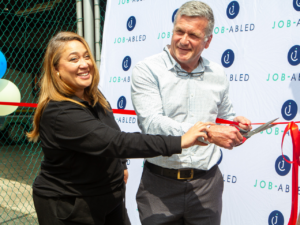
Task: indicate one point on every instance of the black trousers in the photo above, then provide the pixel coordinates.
(95, 210)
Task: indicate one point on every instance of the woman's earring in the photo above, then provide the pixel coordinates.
(58, 75)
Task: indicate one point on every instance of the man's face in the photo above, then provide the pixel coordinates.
(188, 40)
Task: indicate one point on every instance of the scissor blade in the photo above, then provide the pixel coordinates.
(261, 128)
(270, 125)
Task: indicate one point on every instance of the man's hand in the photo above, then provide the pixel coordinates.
(244, 123)
(224, 136)
(125, 176)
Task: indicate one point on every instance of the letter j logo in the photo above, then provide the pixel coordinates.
(121, 103)
(126, 63)
(276, 218)
(294, 55)
(174, 14)
(131, 23)
(281, 166)
(296, 4)
(227, 58)
(233, 9)
(289, 110)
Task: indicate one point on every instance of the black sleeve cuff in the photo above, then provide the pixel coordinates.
(124, 163)
(175, 145)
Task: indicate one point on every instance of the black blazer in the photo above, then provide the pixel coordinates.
(83, 147)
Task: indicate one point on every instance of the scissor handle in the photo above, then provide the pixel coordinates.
(242, 131)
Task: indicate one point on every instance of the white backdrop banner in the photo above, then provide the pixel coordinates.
(258, 43)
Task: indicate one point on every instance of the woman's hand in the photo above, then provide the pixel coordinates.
(125, 176)
(190, 138)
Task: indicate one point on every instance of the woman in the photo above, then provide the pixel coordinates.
(81, 179)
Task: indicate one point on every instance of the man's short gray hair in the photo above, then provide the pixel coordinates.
(199, 9)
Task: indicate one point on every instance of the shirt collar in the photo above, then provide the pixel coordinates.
(74, 97)
(171, 62)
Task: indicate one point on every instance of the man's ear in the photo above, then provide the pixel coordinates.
(208, 41)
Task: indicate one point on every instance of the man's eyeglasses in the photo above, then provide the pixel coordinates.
(184, 73)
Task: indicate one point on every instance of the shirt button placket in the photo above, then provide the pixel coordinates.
(192, 103)
(192, 97)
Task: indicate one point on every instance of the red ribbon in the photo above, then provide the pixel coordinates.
(222, 121)
(295, 134)
(291, 126)
(123, 111)
(31, 105)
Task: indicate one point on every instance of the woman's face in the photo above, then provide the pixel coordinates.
(75, 66)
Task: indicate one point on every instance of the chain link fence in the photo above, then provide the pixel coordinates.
(26, 27)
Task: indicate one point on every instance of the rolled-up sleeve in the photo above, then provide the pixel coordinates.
(146, 99)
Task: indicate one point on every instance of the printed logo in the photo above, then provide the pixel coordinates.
(221, 157)
(294, 55)
(281, 166)
(125, 119)
(289, 110)
(283, 77)
(276, 218)
(282, 24)
(134, 38)
(128, 162)
(126, 63)
(296, 4)
(131, 22)
(121, 103)
(174, 14)
(119, 79)
(227, 58)
(233, 9)
(122, 2)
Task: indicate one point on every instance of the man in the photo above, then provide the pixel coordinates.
(171, 91)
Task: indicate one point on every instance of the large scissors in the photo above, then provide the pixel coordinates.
(247, 134)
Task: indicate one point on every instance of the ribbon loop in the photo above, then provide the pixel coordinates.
(294, 131)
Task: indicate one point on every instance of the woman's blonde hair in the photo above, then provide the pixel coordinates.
(53, 88)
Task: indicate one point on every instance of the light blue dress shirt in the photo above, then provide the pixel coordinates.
(169, 104)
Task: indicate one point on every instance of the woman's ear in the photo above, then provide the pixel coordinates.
(56, 71)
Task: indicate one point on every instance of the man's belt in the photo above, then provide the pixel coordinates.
(178, 174)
